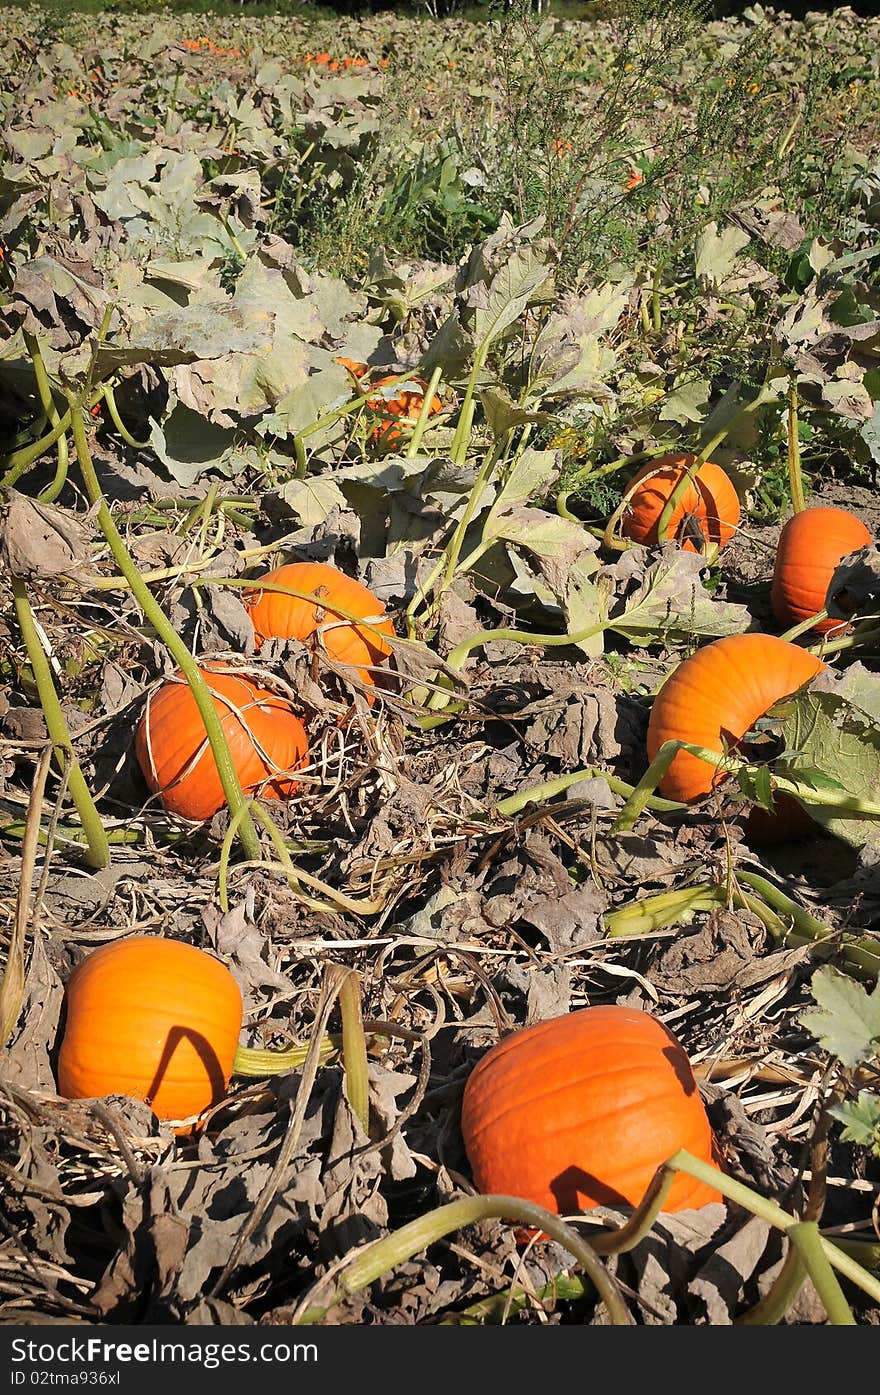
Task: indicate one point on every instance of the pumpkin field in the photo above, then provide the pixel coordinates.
(440, 668)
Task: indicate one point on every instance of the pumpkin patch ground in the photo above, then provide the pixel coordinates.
(395, 849)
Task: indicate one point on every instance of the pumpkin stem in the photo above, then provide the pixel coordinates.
(98, 849)
(153, 612)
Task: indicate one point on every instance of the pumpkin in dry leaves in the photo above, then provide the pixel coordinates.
(580, 1111)
(323, 613)
(267, 742)
(152, 1018)
(398, 409)
(811, 546)
(707, 512)
(716, 696)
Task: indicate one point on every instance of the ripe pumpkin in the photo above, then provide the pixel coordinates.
(581, 1110)
(281, 616)
(403, 407)
(152, 1018)
(721, 691)
(811, 546)
(708, 510)
(266, 740)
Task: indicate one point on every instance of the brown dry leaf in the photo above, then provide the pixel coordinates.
(39, 541)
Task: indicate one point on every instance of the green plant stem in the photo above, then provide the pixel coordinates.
(549, 789)
(115, 417)
(590, 472)
(415, 440)
(354, 1050)
(771, 1309)
(458, 450)
(806, 1239)
(153, 612)
(52, 415)
(666, 908)
(254, 1063)
(795, 474)
(457, 656)
(804, 626)
(844, 803)
(381, 1256)
(97, 852)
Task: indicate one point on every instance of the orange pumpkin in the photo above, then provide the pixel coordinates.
(810, 548)
(152, 1018)
(717, 695)
(266, 739)
(402, 409)
(580, 1111)
(707, 512)
(324, 618)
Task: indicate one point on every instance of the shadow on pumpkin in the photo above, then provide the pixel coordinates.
(206, 1054)
(574, 1190)
(677, 1058)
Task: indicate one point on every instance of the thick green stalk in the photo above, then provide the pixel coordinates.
(53, 416)
(415, 439)
(123, 430)
(97, 852)
(840, 800)
(795, 474)
(153, 612)
(381, 1256)
(805, 1237)
(549, 789)
(439, 700)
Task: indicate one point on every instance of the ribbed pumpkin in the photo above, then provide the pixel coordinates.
(811, 546)
(403, 406)
(708, 510)
(276, 615)
(580, 1111)
(266, 740)
(721, 691)
(152, 1018)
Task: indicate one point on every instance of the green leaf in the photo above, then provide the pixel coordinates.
(833, 742)
(861, 1120)
(847, 1021)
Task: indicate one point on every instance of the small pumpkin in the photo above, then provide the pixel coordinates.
(707, 512)
(716, 696)
(324, 618)
(811, 546)
(152, 1018)
(400, 409)
(580, 1111)
(267, 741)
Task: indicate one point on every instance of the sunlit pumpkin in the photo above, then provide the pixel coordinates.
(811, 546)
(707, 512)
(267, 742)
(321, 614)
(581, 1110)
(152, 1018)
(716, 696)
